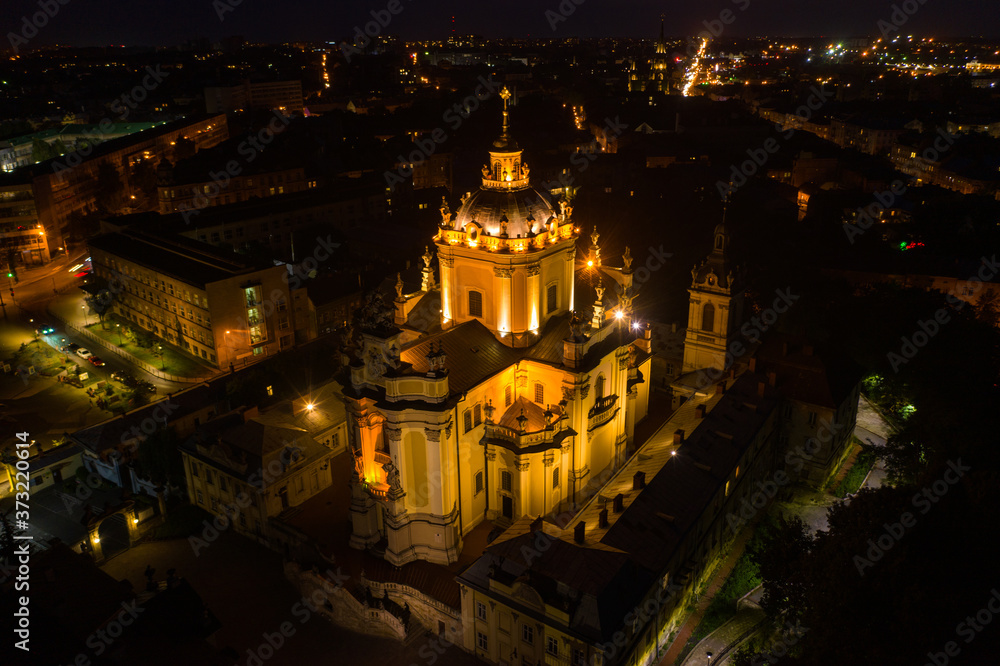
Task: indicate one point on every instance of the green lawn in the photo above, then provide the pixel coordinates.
(175, 362)
(856, 475)
(47, 361)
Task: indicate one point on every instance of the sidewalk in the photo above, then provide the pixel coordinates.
(687, 629)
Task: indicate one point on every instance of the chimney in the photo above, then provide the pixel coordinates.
(760, 389)
(699, 411)
(720, 388)
(679, 436)
(639, 481)
(753, 364)
(618, 504)
(772, 379)
(602, 518)
(536, 524)
(578, 531)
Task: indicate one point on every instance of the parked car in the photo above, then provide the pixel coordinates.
(71, 347)
(84, 353)
(124, 377)
(95, 360)
(146, 386)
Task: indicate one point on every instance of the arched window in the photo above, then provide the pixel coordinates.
(719, 240)
(599, 387)
(552, 298)
(475, 304)
(708, 317)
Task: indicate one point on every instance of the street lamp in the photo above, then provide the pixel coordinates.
(84, 308)
(709, 656)
(119, 327)
(163, 365)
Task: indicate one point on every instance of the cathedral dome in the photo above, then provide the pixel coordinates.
(526, 212)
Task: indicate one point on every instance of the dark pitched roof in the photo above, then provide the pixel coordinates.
(473, 354)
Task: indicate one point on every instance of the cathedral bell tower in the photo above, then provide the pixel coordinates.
(715, 307)
(506, 257)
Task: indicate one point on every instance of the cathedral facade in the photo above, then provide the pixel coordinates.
(512, 401)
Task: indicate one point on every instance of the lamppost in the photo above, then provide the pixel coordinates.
(119, 327)
(84, 308)
(163, 365)
(708, 655)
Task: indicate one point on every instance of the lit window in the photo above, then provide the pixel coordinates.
(539, 393)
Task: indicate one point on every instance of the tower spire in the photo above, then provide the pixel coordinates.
(505, 94)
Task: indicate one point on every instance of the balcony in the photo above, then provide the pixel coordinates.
(538, 440)
(604, 410)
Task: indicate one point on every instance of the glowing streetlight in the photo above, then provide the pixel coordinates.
(619, 314)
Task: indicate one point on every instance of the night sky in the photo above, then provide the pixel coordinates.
(167, 22)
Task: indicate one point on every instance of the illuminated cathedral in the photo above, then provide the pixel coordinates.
(501, 390)
(654, 73)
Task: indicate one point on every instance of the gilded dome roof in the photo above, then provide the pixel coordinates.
(526, 210)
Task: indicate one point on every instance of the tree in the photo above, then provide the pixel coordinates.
(41, 150)
(101, 303)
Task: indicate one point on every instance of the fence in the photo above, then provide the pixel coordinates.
(132, 359)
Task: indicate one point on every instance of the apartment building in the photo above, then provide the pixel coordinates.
(210, 304)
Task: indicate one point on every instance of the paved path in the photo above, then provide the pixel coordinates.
(732, 633)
